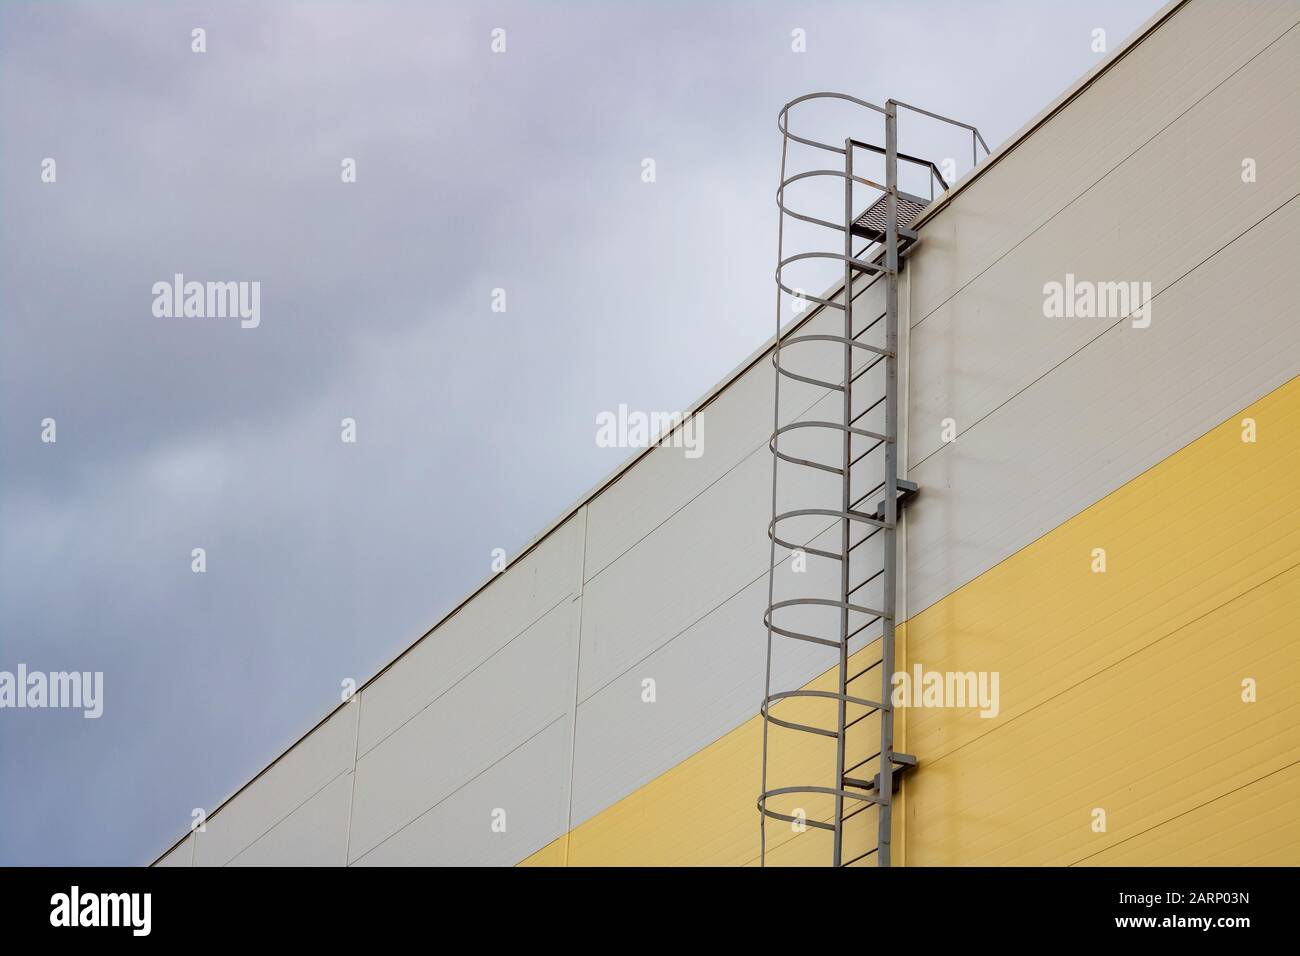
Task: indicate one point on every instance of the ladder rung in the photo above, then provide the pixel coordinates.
(863, 371)
(862, 856)
(878, 443)
(854, 421)
(867, 669)
(867, 328)
(866, 582)
(864, 627)
(873, 710)
(851, 815)
(861, 762)
(864, 540)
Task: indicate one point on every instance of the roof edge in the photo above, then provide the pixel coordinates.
(1048, 112)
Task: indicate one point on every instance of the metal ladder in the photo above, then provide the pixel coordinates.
(867, 502)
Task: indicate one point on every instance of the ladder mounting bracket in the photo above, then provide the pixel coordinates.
(907, 490)
(902, 764)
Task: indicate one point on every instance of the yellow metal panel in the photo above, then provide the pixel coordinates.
(1092, 665)
(1201, 528)
(1255, 824)
(1157, 735)
(550, 855)
(1120, 691)
(702, 812)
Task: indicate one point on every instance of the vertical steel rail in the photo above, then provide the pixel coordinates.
(776, 425)
(845, 503)
(886, 787)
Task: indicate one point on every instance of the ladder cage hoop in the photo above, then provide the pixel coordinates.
(842, 340)
(805, 548)
(804, 693)
(818, 602)
(826, 513)
(876, 437)
(833, 426)
(808, 380)
(812, 638)
(816, 173)
(862, 265)
(828, 791)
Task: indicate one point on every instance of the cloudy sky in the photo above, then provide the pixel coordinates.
(476, 171)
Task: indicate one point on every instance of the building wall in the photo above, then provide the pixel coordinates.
(1120, 691)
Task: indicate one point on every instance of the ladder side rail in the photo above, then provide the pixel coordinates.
(776, 463)
(889, 598)
(846, 496)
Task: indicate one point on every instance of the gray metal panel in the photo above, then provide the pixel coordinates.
(530, 784)
(1195, 50)
(708, 680)
(181, 855)
(684, 594)
(688, 547)
(737, 422)
(320, 757)
(515, 693)
(1225, 335)
(991, 340)
(316, 834)
(665, 480)
(523, 594)
(698, 558)
(687, 566)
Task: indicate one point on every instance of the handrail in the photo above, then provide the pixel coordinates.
(783, 125)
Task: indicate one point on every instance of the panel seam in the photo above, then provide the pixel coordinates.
(352, 801)
(285, 816)
(1172, 283)
(577, 691)
(743, 458)
(1184, 813)
(468, 674)
(1134, 653)
(1143, 145)
(433, 806)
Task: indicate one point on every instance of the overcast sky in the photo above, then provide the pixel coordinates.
(476, 171)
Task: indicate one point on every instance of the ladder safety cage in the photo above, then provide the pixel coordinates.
(865, 456)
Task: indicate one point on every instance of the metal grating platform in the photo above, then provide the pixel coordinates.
(871, 224)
